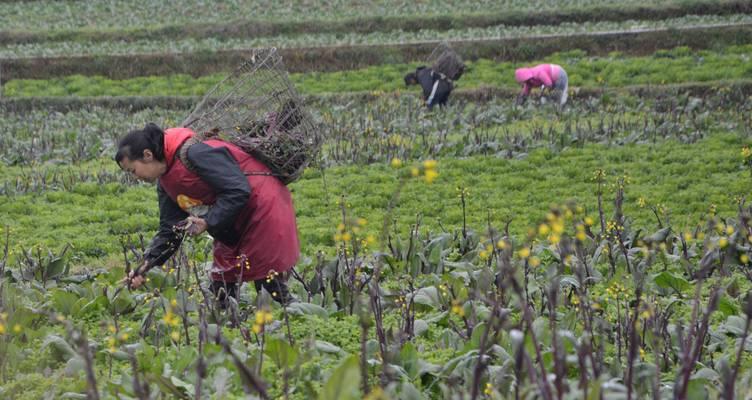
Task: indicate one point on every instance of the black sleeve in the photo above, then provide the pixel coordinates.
(164, 243)
(217, 167)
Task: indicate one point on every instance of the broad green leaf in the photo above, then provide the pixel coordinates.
(61, 349)
(666, 280)
(344, 383)
(299, 308)
(427, 296)
(326, 347)
(283, 355)
(55, 268)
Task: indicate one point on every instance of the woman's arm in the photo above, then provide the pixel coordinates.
(164, 244)
(217, 167)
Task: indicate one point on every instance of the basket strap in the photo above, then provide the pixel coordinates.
(182, 152)
(182, 155)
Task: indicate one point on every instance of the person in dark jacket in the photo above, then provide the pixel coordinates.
(436, 86)
(225, 192)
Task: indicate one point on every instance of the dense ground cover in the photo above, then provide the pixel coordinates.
(479, 251)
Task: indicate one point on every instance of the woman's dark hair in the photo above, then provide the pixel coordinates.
(411, 79)
(132, 145)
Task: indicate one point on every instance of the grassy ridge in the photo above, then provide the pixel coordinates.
(340, 58)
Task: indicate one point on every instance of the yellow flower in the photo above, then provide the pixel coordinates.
(370, 239)
(429, 164)
(534, 261)
(557, 227)
(458, 310)
(729, 230)
(687, 236)
(588, 221)
(123, 337)
(256, 328)
(554, 239)
(346, 237)
(581, 236)
(746, 152)
(396, 162)
(722, 242)
(17, 328)
(414, 171)
(175, 335)
(744, 258)
(489, 389)
(431, 175)
(260, 317)
(174, 302)
(362, 221)
(543, 229)
(111, 328)
(2, 329)
(268, 317)
(501, 244)
(524, 253)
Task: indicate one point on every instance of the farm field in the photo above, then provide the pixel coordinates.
(483, 250)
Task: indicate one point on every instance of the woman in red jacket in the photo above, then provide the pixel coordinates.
(227, 193)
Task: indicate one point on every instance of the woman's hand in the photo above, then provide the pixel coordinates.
(195, 226)
(135, 279)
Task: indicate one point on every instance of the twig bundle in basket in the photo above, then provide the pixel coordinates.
(445, 60)
(258, 109)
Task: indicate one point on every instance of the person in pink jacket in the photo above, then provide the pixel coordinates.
(550, 77)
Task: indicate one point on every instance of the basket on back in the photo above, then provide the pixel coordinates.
(258, 109)
(445, 60)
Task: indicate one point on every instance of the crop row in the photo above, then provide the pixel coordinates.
(738, 88)
(214, 43)
(69, 14)
(376, 131)
(338, 58)
(663, 67)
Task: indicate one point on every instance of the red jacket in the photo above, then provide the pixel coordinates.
(264, 232)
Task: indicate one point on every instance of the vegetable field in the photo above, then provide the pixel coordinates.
(478, 251)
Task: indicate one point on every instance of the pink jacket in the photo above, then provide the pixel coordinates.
(537, 76)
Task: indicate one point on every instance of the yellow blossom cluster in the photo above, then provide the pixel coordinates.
(427, 169)
(616, 291)
(457, 309)
(350, 232)
(263, 317)
(113, 339)
(3, 321)
(401, 302)
(242, 263)
(170, 318)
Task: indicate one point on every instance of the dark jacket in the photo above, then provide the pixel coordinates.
(436, 87)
